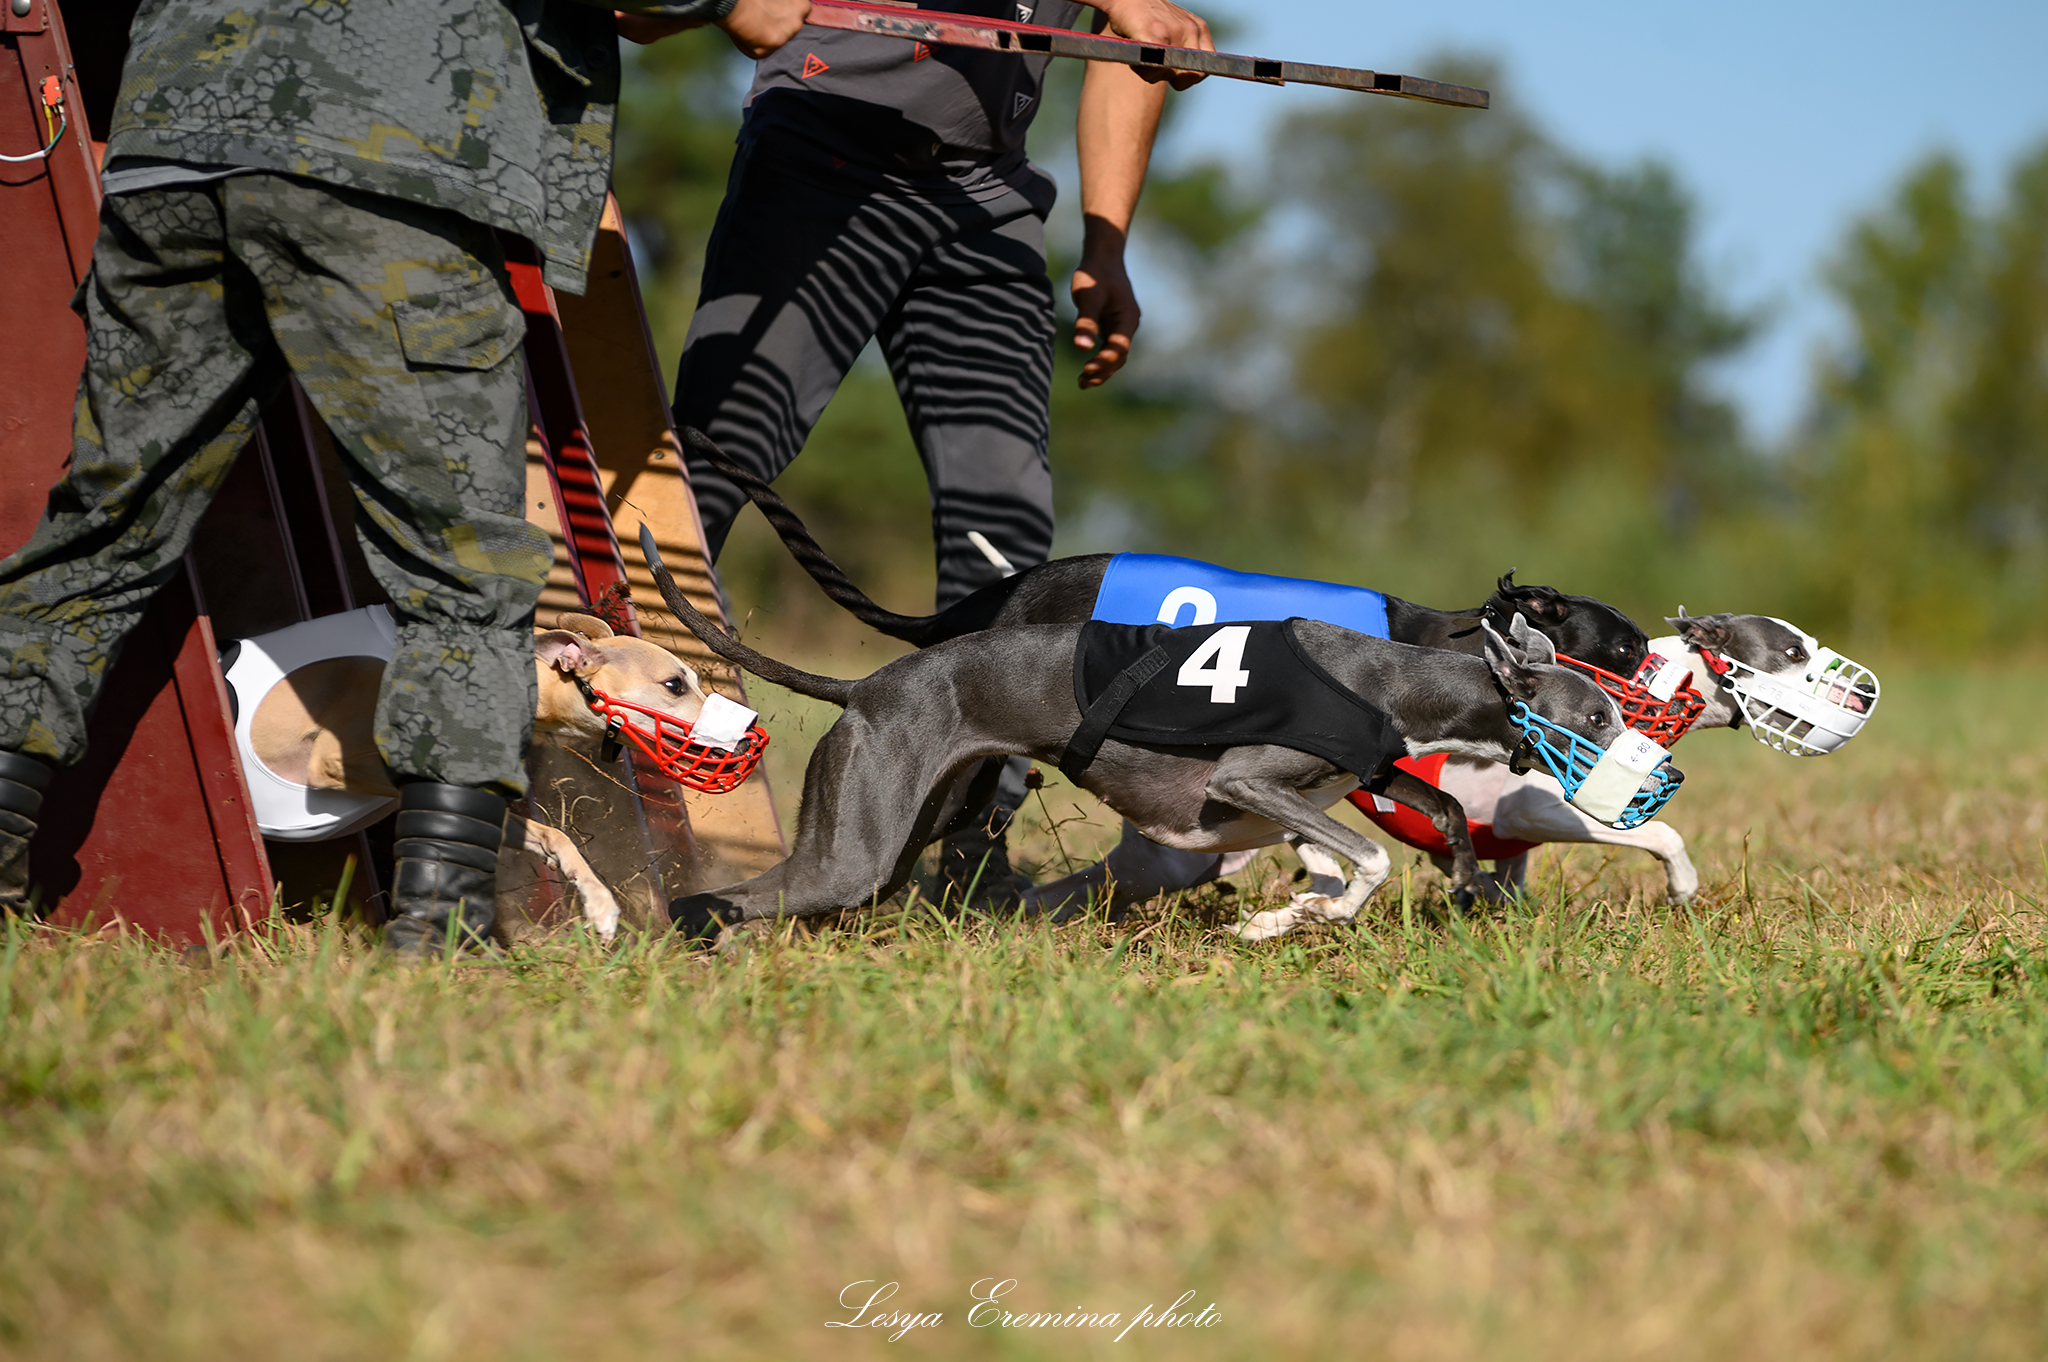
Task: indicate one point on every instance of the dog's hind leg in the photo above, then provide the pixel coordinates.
(1536, 811)
(882, 778)
(872, 801)
(967, 795)
(554, 846)
(1511, 875)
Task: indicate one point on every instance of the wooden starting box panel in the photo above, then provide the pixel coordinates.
(640, 462)
(155, 830)
(603, 459)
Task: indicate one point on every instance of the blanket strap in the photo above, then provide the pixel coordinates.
(1095, 724)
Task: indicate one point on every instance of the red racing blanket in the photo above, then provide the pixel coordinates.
(1400, 821)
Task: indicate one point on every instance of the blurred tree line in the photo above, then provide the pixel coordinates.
(1420, 346)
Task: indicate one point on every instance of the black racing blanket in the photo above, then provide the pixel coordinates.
(1219, 684)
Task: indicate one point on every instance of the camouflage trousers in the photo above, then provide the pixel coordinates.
(399, 322)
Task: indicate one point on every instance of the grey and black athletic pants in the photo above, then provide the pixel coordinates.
(812, 257)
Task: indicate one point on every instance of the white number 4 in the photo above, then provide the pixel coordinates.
(1218, 664)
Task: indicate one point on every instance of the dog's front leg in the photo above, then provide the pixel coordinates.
(554, 846)
(1447, 816)
(1325, 873)
(1500, 885)
(1535, 810)
(1268, 781)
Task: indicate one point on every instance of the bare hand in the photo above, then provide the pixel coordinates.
(758, 27)
(1108, 317)
(1161, 22)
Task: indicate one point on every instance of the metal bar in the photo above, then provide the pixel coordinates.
(1001, 35)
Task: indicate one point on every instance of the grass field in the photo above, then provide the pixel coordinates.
(1807, 1117)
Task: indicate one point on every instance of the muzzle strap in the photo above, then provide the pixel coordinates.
(711, 767)
(608, 750)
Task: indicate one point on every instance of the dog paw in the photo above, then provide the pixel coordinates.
(1326, 907)
(1264, 926)
(600, 910)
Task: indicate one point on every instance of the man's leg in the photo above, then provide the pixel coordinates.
(970, 345)
(400, 323)
(802, 265)
(178, 366)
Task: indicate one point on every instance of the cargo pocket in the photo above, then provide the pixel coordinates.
(474, 326)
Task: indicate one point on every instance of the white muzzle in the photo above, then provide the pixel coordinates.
(1808, 713)
(1616, 778)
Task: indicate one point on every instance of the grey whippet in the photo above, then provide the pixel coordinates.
(886, 778)
(1064, 592)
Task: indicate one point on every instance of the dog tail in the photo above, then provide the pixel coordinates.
(826, 688)
(810, 555)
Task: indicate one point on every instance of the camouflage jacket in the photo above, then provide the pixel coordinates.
(500, 110)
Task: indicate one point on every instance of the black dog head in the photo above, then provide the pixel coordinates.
(1581, 627)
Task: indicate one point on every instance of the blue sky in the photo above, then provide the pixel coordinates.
(1786, 120)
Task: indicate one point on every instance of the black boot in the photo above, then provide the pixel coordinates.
(974, 863)
(975, 873)
(445, 887)
(22, 782)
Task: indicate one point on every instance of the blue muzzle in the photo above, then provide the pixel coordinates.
(1622, 785)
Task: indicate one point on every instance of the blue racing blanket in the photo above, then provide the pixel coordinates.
(1152, 588)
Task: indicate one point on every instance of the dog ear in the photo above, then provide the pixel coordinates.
(1710, 632)
(590, 626)
(1537, 649)
(1544, 603)
(567, 653)
(1510, 664)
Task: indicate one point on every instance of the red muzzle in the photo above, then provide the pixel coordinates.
(665, 741)
(1663, 722)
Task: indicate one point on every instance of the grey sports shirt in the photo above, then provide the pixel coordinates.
(888, 100)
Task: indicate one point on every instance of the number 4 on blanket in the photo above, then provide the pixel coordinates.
(1224, 685)
(1219, 664)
